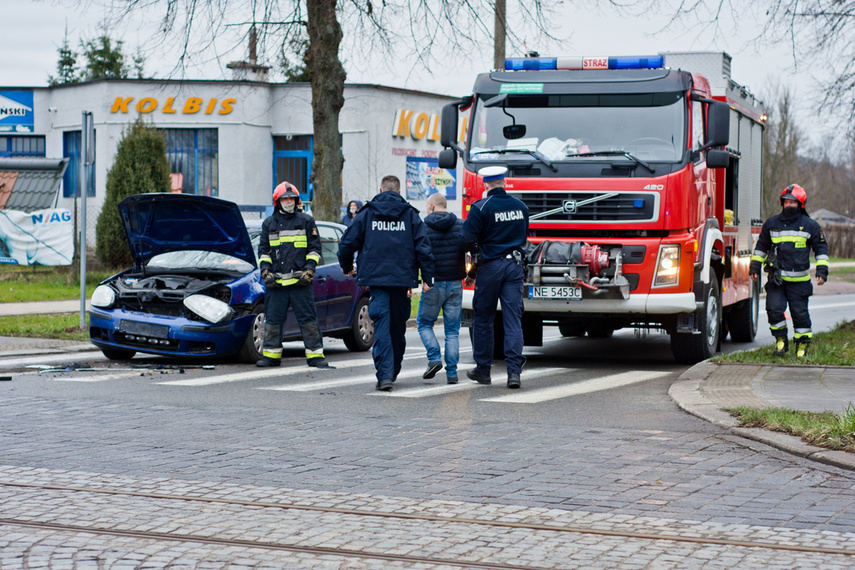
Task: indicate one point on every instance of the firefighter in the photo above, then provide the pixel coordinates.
(784, 249)
(393, 248)
(497, 225)
(288, 252)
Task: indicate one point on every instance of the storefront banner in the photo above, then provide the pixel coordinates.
(44, 237)
(16, 112)
(425, 177)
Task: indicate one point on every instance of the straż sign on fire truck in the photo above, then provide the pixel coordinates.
(642, 176)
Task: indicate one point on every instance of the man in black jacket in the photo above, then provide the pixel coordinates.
(393, 249)
(792, 234)
(443, 230)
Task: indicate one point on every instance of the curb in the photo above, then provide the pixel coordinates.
(686, 393)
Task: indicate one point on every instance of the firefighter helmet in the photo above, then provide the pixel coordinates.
(285, 190)
(794, 192)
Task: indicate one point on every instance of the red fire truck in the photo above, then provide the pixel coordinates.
(642, 176)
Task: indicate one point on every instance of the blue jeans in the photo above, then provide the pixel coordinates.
(389, 308)
(448, 296)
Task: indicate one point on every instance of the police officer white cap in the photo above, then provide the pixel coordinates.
(491, 173)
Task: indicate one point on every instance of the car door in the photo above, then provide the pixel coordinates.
(336, 292)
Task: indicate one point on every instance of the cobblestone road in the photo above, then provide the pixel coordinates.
(672, 484)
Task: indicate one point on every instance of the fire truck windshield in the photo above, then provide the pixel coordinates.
(580, 127)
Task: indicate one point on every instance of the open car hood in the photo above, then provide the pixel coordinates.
(160, 223)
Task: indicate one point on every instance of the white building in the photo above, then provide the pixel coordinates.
(232, 139)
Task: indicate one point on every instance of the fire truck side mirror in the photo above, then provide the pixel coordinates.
(717, 158)
(447, 158)
(448, 126)
(718, 124)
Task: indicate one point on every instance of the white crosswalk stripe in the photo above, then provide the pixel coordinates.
(261, 373)
(465, 384)
(323, 385)
(584, 387)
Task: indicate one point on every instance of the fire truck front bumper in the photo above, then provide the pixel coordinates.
(644, 304)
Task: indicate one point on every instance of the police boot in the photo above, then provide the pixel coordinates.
(782, 346)
(801, 348)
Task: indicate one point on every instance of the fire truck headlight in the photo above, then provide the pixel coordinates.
(668, 266)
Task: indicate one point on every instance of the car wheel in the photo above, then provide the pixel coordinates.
(251, 352)
(360, 337)
(118, 353)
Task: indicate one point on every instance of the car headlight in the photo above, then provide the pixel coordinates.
(103, 296)
(210, 309)
(667, 266)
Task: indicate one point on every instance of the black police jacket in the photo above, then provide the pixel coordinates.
(794, 237)
(498, 224)
(392, 244)
(443, 230)
(289, 243)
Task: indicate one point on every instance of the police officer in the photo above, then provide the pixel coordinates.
(788, 238)
(393, 247)
(288, 252)
(498, 226)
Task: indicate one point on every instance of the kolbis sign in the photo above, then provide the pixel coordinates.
(16, 112)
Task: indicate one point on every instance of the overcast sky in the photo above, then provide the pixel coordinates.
(34, 29)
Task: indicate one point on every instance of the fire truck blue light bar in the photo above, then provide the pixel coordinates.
(580, 62)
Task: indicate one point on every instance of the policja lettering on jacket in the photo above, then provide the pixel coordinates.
(388, 226)
(509, 216)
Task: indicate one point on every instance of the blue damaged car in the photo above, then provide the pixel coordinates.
(196, 291)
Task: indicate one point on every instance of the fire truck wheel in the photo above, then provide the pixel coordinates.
(743, 318)
(572, 329)
(690, 348)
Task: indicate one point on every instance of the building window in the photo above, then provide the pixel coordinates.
(22, 146)
(292, 161)
(71, 143)
(193, 155)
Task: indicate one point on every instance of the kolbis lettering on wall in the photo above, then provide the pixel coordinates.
(388, 226)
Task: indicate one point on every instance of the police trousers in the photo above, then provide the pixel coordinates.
(389, 308)
(796, 295)
(498, 279)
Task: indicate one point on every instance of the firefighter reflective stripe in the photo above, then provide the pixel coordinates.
(297, 238)
(315, 353)
(286, 282)
(778, 326)
(796, 275)
(759, 255)
(799, 239)
(316, 257)
(801, 334)
(275, 354)
(265, 258)
(822, 260)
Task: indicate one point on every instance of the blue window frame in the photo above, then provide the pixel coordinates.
(22, 146)
(71, 142)
(194, 154)
(292, 161)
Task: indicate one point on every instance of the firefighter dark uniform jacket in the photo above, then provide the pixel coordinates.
(392, 244)
(497, 223)
(794, 240)
(289, 245)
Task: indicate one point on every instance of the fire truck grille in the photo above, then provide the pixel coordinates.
(590, 207)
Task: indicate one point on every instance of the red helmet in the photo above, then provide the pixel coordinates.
(794, 192)
(285, 190)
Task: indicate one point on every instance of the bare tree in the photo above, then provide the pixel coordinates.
(780, 151)
(422, 27)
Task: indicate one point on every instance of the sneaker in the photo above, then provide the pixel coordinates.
(433, 367)
(514, 381)
(384, 385)
(781, 346)
(265, 362)
(319, 363)
(451, 379)
(479, 377)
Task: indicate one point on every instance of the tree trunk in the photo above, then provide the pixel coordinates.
(499, 36)
(326, 76)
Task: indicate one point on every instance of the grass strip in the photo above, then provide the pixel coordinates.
(832, 348)
(65, 326)
(36, 283)
(822, 429)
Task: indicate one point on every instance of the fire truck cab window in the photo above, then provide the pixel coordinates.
(697, 128)
(566, 128)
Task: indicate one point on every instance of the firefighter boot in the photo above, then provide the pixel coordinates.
(801, 348)
(782, 347)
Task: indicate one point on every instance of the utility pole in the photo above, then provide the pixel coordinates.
(499, 36)
(87, 158)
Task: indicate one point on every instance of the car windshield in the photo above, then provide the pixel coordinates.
(196, 260)
(564, 128)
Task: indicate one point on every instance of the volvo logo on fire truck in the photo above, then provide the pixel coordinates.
(569, 206)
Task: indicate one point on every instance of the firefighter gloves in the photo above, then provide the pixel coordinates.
(306, 277)
(269, 278)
